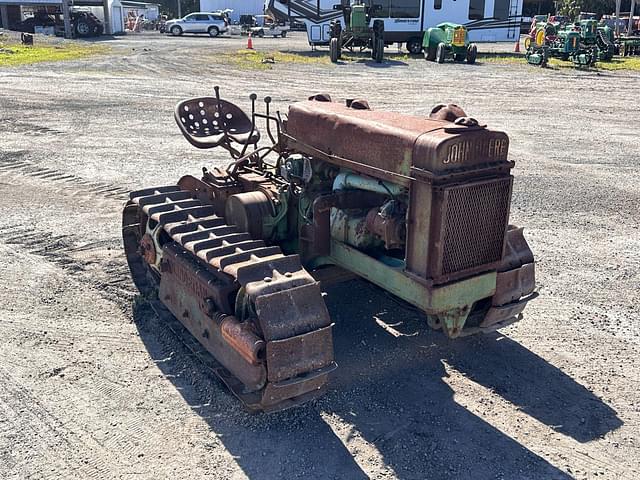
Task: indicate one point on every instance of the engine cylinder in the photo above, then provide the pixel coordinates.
(247, 211)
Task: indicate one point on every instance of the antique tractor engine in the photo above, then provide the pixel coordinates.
(418, 206)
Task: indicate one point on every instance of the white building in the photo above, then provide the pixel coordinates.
(118, 11)
(239, 7)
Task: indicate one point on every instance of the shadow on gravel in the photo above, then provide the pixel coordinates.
(389, 391)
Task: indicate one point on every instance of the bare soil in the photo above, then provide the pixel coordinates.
(93, 385)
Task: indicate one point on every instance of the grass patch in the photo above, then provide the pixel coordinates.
(13, 54)
(256, 60)
(501, 58)
(618, 63)
(621, 63)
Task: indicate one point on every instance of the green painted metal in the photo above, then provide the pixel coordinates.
(353, 230)
(451, 299)
(453, 321)
(358, 21)
(561, 41)
(444, 33)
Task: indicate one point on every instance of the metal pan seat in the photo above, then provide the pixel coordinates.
(207, 122)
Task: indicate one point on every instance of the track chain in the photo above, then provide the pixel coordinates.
(285, 301)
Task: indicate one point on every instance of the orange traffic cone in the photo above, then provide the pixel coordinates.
(517, 47)
(249, 42)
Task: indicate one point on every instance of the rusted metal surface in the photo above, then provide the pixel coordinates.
(184, 291)
(392, 142)
(205, 265)
(376, 185)
(293, 356)
(322, 205)
(214, 188)
(447, 112)
(247, 210)
(497, 314)
(373, 171)
(390, 228)
(468, 228)
(243, 339)
(514, 284)
(275, 308)
(148, 249)
(515, 280)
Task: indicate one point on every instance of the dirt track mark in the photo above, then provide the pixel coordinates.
(17, 162)
(27, 128)
(109, 276)
(48, 431)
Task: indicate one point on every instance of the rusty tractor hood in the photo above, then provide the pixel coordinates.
(393, 141)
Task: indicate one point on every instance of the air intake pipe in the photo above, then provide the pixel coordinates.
(349, 180)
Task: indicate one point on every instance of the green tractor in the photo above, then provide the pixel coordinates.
(599, 39)
(356, 33)
(448, 40)
(548, 39)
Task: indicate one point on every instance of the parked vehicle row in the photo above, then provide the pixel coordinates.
(200, 22)
(216, 23)
(83, 23)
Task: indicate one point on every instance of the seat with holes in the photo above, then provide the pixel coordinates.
(203, 122)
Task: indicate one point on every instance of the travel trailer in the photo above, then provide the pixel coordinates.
(406, 20)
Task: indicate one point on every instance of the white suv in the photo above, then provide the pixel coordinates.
(200, 22)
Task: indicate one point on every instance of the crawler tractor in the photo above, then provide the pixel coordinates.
(549, 39)
(356, 33)
(597, 39)
(417, 206)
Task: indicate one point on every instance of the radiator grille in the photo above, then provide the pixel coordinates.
(458, 37)
(474, 224)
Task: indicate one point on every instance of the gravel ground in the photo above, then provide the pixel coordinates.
(92, 387)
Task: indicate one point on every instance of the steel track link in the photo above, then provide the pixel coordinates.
(207, 263)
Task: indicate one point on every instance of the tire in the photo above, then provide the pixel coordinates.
(379, 55)
(440, 52)
(283, 34)
(176, 30)
(414, 45)
(83, 29)
(333, 50)
(213, 32)
(472, 53)
(430, 54)
(261, 33)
